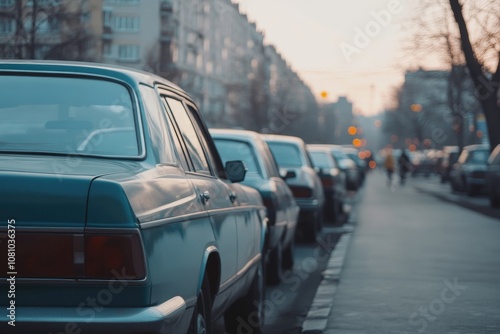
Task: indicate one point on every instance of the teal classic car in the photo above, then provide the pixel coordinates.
(263, 175)
(116, 213)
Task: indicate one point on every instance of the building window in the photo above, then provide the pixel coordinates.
(44, 2)
(6, 3)
(7, 25)
(107, 49)
(128, 52)
(126, 23)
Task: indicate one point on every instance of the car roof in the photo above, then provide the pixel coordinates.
(86, 68)
(283, 139)
(328, 146)
(318, 148)
(477, 147)
(235, 134)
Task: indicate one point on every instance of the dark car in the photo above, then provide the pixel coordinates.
(353, 153)
(263, 175)
(468, 173)
(450, 157)
(493, 177)
(332, 178)
(121, 214)
(291, 155)
(346, 165)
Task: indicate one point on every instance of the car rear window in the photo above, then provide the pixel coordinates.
(321, 159)
(230, 150)
(286, 155)
(479, 156)
(66, 115)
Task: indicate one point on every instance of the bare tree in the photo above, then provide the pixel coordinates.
(477, 57)
(48, 29)
(434, 33)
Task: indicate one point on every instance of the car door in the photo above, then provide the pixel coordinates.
(216, 194)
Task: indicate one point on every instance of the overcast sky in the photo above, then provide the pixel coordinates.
(342, 47)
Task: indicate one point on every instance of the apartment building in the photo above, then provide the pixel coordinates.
(208, 47)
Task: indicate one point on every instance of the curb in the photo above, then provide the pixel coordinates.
(319, 312)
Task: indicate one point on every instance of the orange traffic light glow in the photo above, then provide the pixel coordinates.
(352, 130)
(357, 142)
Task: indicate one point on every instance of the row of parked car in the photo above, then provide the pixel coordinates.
(473, 170)
(121, 212)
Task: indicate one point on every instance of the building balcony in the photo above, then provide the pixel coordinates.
(166, 6)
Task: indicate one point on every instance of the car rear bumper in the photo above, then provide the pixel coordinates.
(307, 204)
(163, 318)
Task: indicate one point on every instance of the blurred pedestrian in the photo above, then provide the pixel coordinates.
(404, 166)
(389, 165)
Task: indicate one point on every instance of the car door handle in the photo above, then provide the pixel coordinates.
(205, 196)
(233, 196)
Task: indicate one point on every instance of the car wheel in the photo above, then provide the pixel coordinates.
(201, 320)
(494, 200)
(247, 314)
(275, 265)
(288, 255)
(310, 227)
(470, 190)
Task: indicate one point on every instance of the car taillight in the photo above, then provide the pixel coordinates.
(327, 182)
(61, 255)
(302, 192)
(106, 255)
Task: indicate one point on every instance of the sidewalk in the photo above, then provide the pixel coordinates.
(416, 264)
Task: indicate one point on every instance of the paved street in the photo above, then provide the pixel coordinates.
(418, 264)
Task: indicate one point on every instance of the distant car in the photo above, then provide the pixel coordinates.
(353, 153)
(332, 178)
(263, 175)
(468, 173)
(346, 165)
(125, 219)
(291, 155)
(450, 157)
(493, 177)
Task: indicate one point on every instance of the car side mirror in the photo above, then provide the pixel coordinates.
(287, 174)
(235, 170)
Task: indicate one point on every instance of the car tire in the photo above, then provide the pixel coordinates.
(275, 265)
(470, 190)
(288, 255)
(201, 321)
(247, 314)
(494, 200)
(310, 227)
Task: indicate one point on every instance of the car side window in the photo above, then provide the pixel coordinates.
(188, 133)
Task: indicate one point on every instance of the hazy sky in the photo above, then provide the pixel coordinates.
(338, 46)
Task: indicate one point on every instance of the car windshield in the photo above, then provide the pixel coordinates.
(230, 150)
(321, 159)
(66, 115)
(286, 155)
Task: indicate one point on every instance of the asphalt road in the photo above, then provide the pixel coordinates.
(418, 264)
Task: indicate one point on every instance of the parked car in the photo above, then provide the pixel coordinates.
(263, 175)
(450, 157)
(353, 153)
(332, 178)
(493, 177)
(468, 174)
(346, 165)
(125, 219)
(291, 155)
